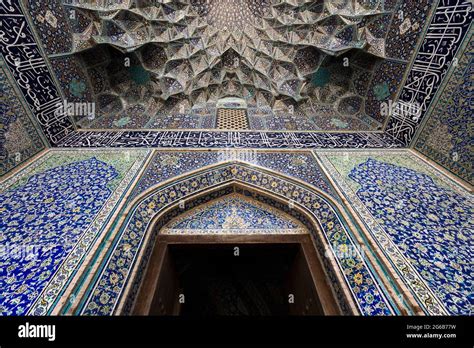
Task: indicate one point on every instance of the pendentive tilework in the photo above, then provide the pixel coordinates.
(107, 291)
(420, 220)
(72, 80)
(19, 138)
(50, 20)
(447, 136)
(51, 214)
(407, 24)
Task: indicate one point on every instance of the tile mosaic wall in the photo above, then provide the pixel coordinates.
(168, 164)
(234, 214)
(447, 137)
(19, 138)
(444, 36)
(107, 291)
(51, 214)
(51, 23)
(421, 220)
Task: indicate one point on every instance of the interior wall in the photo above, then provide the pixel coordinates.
(446, 137)
(413, 215)
(20, 137)
(108, 294)
(417, 216)
(52, 213)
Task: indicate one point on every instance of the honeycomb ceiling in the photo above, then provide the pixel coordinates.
(176, 57)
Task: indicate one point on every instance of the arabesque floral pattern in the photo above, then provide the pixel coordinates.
(41, 223)
(108, 290)
(234, 214)
(431, 225)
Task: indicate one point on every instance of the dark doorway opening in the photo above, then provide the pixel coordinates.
(216, 281)
(248, 279)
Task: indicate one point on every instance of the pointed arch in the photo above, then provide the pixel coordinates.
(354, 282)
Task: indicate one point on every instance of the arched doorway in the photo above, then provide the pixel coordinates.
(353, 282)
(235, 255)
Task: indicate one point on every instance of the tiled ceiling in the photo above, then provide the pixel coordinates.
(298, 64)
